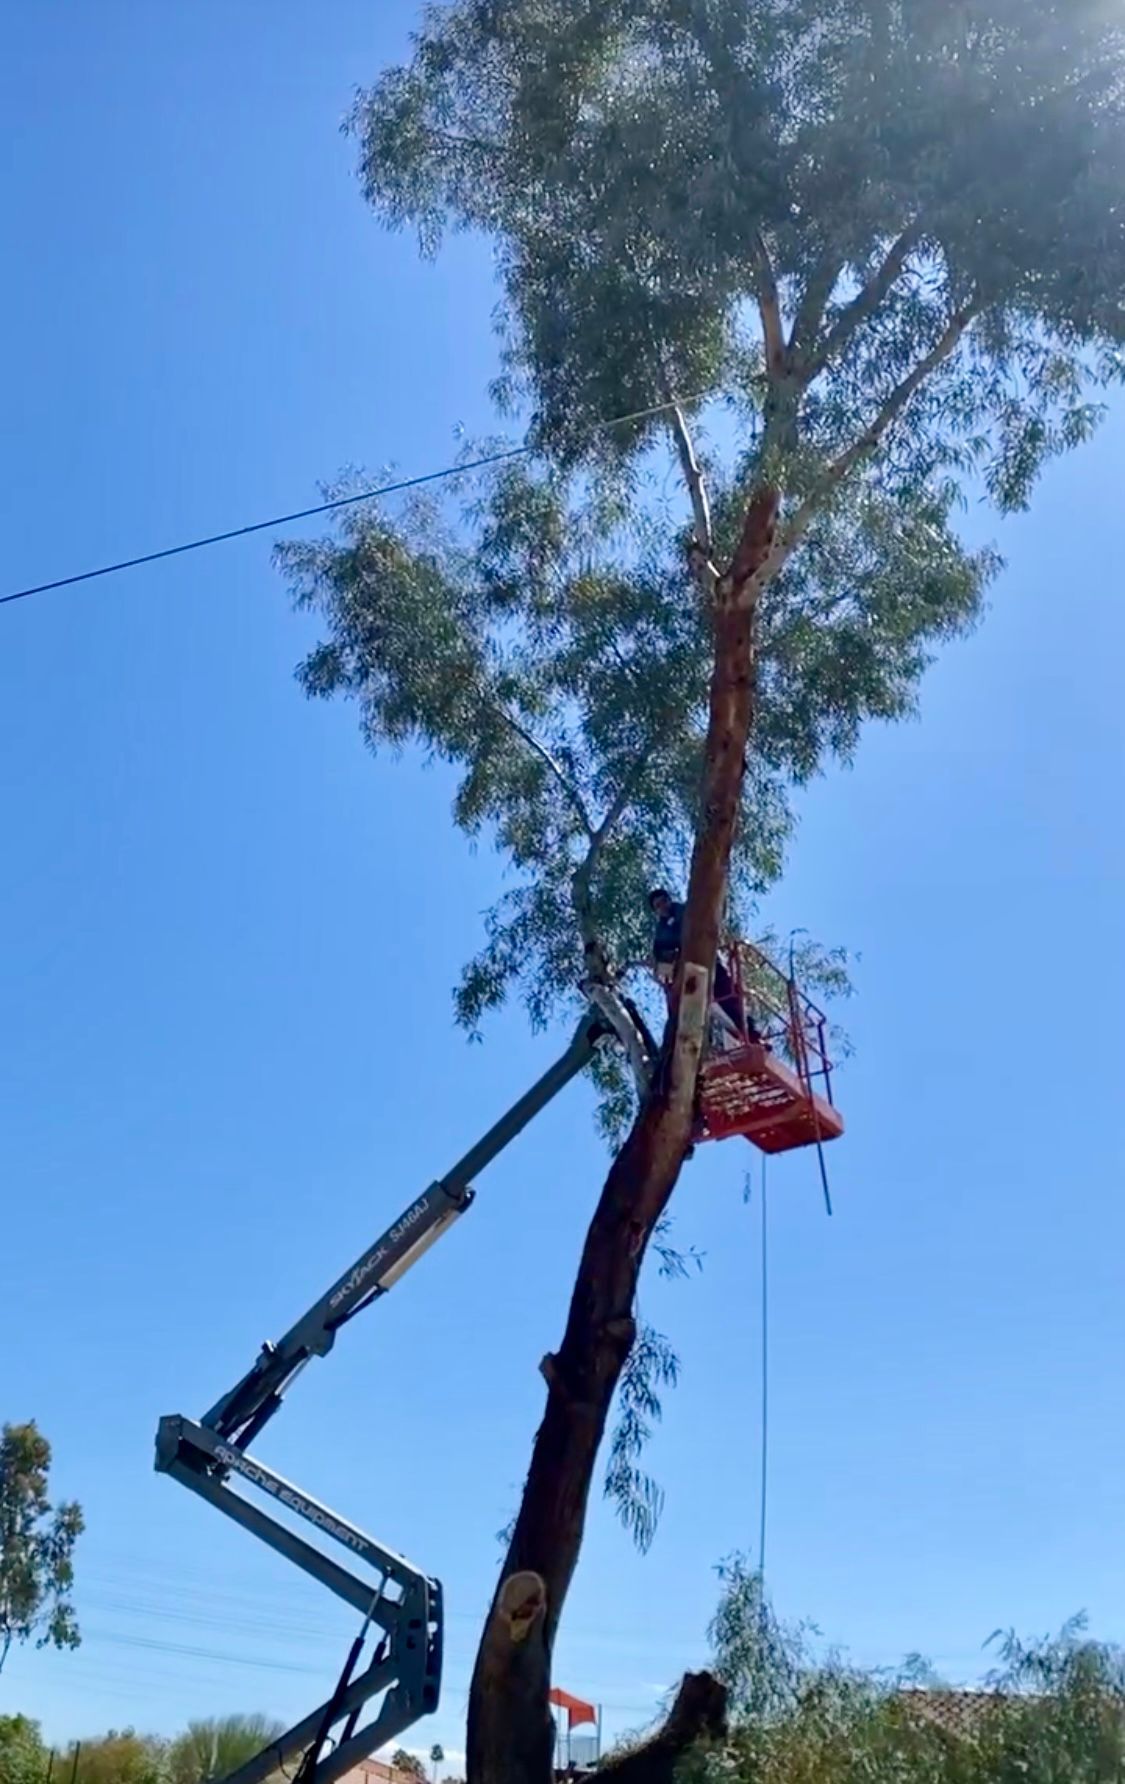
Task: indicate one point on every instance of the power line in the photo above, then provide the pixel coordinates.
(282, 520)
(155, 1645)
(259, 526)
(164, 1594)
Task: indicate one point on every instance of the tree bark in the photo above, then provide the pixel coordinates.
(698, 1714)
(510, 1731)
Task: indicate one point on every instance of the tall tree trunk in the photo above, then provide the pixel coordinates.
(510, 1732)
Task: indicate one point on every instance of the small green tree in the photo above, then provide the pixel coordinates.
(888, 236)
(409, 1764)
(121, 1757)
(215, 1746)
(23, 1757)
(36, 1547)
(1050, 1710)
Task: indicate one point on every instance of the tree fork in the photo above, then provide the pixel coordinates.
(510, 1731)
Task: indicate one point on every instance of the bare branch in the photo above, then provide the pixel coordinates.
(583, 877)
(900, 397)
(866, 302)
(943, 347)
(448, 139)
(699, 555)
(693, 477)
(574, 797)
(616, 811)
(597, 982)
(769, 309)
(819, 286)
(784, 541)
(622, 1018)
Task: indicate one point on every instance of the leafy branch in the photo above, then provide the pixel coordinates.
(540, 750)
(769, 307)
(639, 1499)
(871, 438)
(865, 304)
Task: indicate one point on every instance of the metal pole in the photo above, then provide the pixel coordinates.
(74, 1765)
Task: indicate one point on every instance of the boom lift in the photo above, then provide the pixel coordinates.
(211, 1456)
(749, 1090)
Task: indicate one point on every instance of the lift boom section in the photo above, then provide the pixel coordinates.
(210, 1456)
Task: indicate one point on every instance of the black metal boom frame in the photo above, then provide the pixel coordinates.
(210, 1456)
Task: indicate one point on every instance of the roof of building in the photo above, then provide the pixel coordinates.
(957, 1712)
(376, 1771)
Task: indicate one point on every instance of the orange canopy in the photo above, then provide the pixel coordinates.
(577, 1711)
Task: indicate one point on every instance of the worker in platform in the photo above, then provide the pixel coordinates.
(667, 940)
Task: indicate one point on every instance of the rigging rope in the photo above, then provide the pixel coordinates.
(765, 1379)
(793, 934)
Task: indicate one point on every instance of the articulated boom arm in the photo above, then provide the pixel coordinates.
(210, 1456)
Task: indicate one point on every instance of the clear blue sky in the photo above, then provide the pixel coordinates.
(229, 938)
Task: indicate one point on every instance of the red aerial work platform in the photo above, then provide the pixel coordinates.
(767, 1076)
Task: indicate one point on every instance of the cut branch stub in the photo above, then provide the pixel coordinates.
(693, 477)
(522, 1601)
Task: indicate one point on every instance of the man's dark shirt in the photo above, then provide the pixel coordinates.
(668, 936)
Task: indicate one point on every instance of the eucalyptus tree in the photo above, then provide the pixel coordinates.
(844, 261)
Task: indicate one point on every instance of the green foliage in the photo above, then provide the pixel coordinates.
(639, 1500)
(409, 1764)
(121, 1757)
(555, 685)
(206, 1749)
(1051, 1710)
(876, 247)
(217, 1746)
(563, 671)
(633, 158)
(675, 186)
(36, 1547)
(760, 1660)
(23, 1757)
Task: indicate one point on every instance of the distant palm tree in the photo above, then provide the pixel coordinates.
(218, 1745)
(437, 1757)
